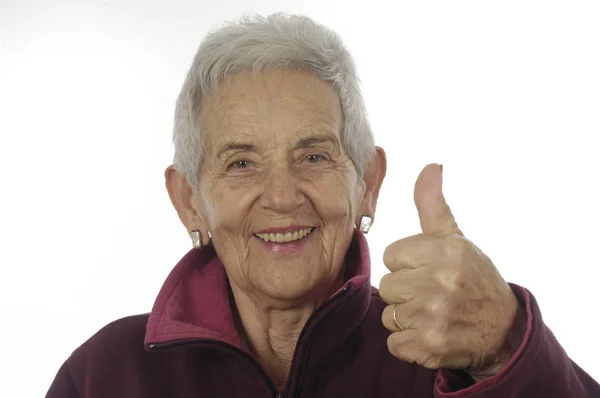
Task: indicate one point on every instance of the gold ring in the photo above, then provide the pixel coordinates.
(396, 320)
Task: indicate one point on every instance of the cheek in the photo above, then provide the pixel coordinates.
(228, 204)
(334, 196)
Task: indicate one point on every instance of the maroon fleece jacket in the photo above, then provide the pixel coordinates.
(188, 346)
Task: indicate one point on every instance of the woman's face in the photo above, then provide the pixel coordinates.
(277, 191)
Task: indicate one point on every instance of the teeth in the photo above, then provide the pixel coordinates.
(286, 237)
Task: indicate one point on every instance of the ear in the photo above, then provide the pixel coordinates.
(373, 178)
(186, 203)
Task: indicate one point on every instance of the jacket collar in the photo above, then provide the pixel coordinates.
(193, 303)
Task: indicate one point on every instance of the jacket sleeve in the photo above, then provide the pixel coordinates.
(63, 386)
(540, 367)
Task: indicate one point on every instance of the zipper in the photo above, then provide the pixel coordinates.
(227, 346)
(231, 347)
(295, 357)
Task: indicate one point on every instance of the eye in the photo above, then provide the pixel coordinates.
(240, 164)
(314, 158)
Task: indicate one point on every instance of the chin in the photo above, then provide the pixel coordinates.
(288, 288)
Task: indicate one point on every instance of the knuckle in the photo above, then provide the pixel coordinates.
(385, 281)
(392, 289)
(385, 288)
(432, 362)
(401, 350)
(450, 280)
(393, 346)
(390, 255)
(385, 315)
(435, 341)
(436, 306)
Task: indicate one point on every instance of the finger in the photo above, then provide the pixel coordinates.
(429, 349)
(407, 316)
(404, 345)
(404, 285)
(412, 252)
(434, 213)
(408, 347)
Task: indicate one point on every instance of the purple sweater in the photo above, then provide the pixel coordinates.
(188, 346)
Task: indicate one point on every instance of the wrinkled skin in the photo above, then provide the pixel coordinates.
(457, 311)
(273, 159)
(279, 181)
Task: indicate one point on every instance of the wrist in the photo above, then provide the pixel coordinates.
(507, 351)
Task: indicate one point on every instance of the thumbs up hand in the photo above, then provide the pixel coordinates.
(449, 307)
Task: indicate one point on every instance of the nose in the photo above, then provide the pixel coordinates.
(281, 192)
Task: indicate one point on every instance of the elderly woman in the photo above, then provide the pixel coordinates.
(276, 178)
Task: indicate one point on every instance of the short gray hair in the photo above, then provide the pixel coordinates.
(257, 43)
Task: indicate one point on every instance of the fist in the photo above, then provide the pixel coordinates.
(449, 307)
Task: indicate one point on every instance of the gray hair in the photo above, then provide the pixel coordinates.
(257, 43)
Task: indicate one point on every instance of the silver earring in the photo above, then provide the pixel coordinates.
(365, 223)
(196, 239)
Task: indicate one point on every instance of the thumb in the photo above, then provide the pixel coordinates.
(434, 213)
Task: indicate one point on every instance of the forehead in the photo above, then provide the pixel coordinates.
(274, 105)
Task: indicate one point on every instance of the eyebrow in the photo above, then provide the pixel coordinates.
(302, 143)
(236, 146)
(310, 141)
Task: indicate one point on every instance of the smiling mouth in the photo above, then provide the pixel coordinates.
(285, 237)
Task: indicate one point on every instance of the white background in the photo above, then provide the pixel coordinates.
(505, 94)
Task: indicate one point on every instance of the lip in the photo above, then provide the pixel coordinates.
(288, 248)
(283, 230)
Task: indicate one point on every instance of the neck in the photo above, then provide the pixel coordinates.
(270, 329)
